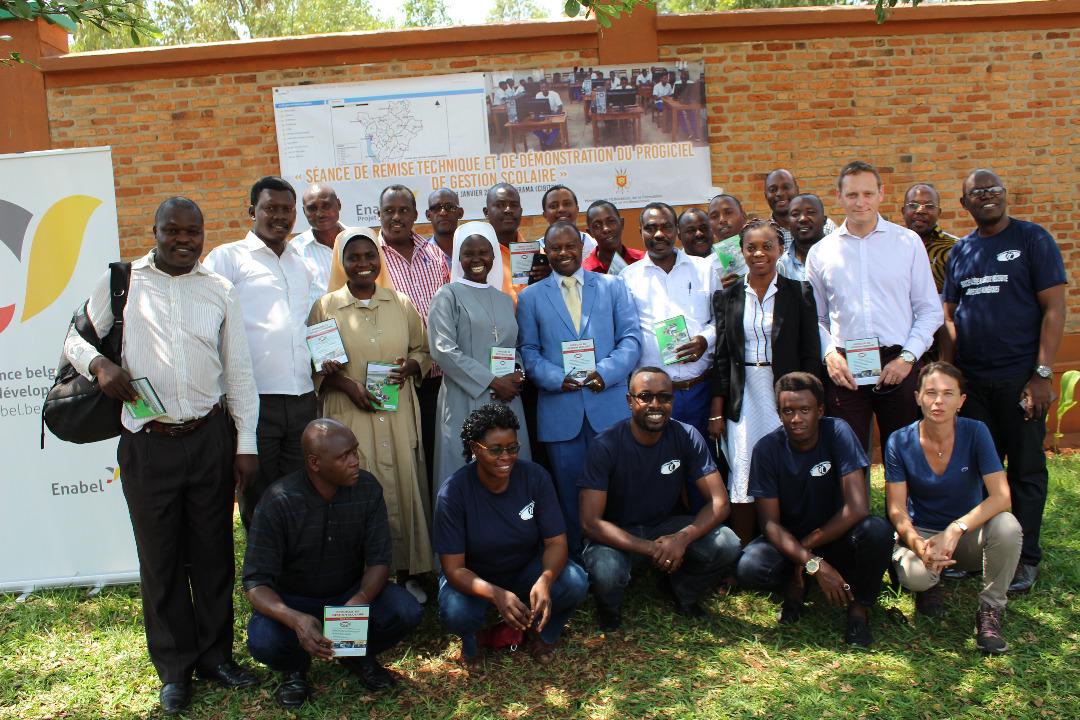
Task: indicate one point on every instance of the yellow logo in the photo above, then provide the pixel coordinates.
(622, 178)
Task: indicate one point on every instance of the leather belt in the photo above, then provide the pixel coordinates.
(687, 384)
(756, 364)
(184, 428)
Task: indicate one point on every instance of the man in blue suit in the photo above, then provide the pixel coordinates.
(576, 402)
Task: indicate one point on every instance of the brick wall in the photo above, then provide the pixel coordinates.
(922, 107)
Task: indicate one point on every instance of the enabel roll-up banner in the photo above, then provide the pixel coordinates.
(63, 520)
(619, 133)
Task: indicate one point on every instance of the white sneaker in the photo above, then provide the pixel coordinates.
(416, 591)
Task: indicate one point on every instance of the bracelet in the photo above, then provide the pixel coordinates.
(717, 417)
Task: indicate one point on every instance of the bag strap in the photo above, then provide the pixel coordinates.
(119, 284)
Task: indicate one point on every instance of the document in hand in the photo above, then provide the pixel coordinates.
(864, 360)
(149, 405)
(670, 334)
(579, 358)
(324, 343)
(346, 626)
(521, 260)
(378, 384)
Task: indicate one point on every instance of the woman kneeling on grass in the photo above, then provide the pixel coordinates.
(935, 471)
(501, 540)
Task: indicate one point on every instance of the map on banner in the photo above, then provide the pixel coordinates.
(630, 135)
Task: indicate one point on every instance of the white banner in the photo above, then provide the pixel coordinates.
(624, 134)
(63, 519)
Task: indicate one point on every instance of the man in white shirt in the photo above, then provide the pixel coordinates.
(873, 286)
(184, 334)
(644, 77)
(665, 284)
(555, 106)
(499, 95)
(560, 203)
(662, 89)
(514, 90)
(273, 284)
(322, 208)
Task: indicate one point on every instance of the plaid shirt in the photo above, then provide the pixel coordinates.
(300, 544)
(419, 279)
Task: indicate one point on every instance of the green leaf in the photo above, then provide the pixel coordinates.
(1067, 401)
(603, 20)
(572, 8)
(607, 10)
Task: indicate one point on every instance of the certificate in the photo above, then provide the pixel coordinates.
(670, 334)
(864, 360)
(579, 359)
(521, 260)
(324, 343)
(346, 627)
(502, 361)
(148, 405)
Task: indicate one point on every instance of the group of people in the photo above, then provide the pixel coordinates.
(703, 406)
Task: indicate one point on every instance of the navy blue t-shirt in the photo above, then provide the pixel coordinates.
(934, 501)
(499, 533)
(808, 484)
(644, 482)
(994, 282)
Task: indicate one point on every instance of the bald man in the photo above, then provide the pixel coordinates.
(322, 208)
(319, 537)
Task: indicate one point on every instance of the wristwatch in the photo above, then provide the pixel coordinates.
(813, 565)
(1044, 371)
(962, 525)
(908, 357)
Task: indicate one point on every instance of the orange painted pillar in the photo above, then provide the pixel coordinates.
(26, 120)
(631, 39)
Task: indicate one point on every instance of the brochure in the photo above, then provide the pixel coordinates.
(670, 334)
(378, 384)
(502, 361)
(864, 360)
(347, 626)
(521, 260)
(579, 359)
(324, 343)
(728, 253)
(149, 405)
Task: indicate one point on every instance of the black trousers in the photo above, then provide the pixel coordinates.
(179, 493)
(428, 397)
(894, 408)
(1019, 442)
(282, 419)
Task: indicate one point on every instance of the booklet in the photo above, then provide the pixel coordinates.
(670, 334)
(149, 405)
(864, 360)
(324, 343)
(346, 626)
(502, 361)
(579, 359)
(378, 384)
(521, 260)
(728, 253)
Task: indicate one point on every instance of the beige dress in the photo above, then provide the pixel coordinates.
(390, 442)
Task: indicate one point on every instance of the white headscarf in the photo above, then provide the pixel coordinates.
(495, 275)
(337, 278)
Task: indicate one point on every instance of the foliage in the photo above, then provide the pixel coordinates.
(1067, 401)
(426, 13)
(605, 11)
(510, 10)
(122, 16)
(67, 655)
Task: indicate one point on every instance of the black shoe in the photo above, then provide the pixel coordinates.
(951, 573)
(175, 697)
(988, 630)
(931, 603)
(790, 612)
(294, 690)
(690, 610)
(858, 632)
(229, 674)
(609, 619)
(1024, 578)
(371, 674)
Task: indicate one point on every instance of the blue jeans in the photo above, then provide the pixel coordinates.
(464, 615)
(567, 463)
(705, 562)
(692, 407)
(394, 614)
(861, 556)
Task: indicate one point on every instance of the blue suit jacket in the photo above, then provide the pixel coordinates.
(609, 317)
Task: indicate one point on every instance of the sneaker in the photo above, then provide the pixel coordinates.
(1024, 578)
(931, 603)
(609, 619)
(413, 586)
(988, 630)
(858, 632)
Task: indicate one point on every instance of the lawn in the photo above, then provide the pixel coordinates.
(66, 655)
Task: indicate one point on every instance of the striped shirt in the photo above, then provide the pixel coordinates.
(185, 334)
(318, 257)
(421, 278)
(938, 246)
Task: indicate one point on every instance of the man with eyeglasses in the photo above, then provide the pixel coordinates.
(444, 211)
(322, 209)
(630, 505)
(808, 481)
(922, 208)
(1005, 312)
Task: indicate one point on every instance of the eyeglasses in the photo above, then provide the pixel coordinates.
(497, 451)
(916, 207)
(646, 398)
(442, 207)
(977, 193)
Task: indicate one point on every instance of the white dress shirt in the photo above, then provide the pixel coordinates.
(554, 101)
(757, 323)
(275, 294)
(661, 89)
(588, 243)
(877, 286)
(319, 259)
(687, 290)
(185, 335)
(498, 96)
(644, 78)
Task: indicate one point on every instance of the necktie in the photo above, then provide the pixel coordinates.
(573, 300)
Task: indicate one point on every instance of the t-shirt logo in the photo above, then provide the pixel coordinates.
(1008, 255)
(670, 466)
(526, 513)
(820, 469)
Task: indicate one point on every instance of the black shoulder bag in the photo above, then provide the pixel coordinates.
(76, 410)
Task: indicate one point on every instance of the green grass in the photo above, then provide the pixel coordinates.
(63, 655)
